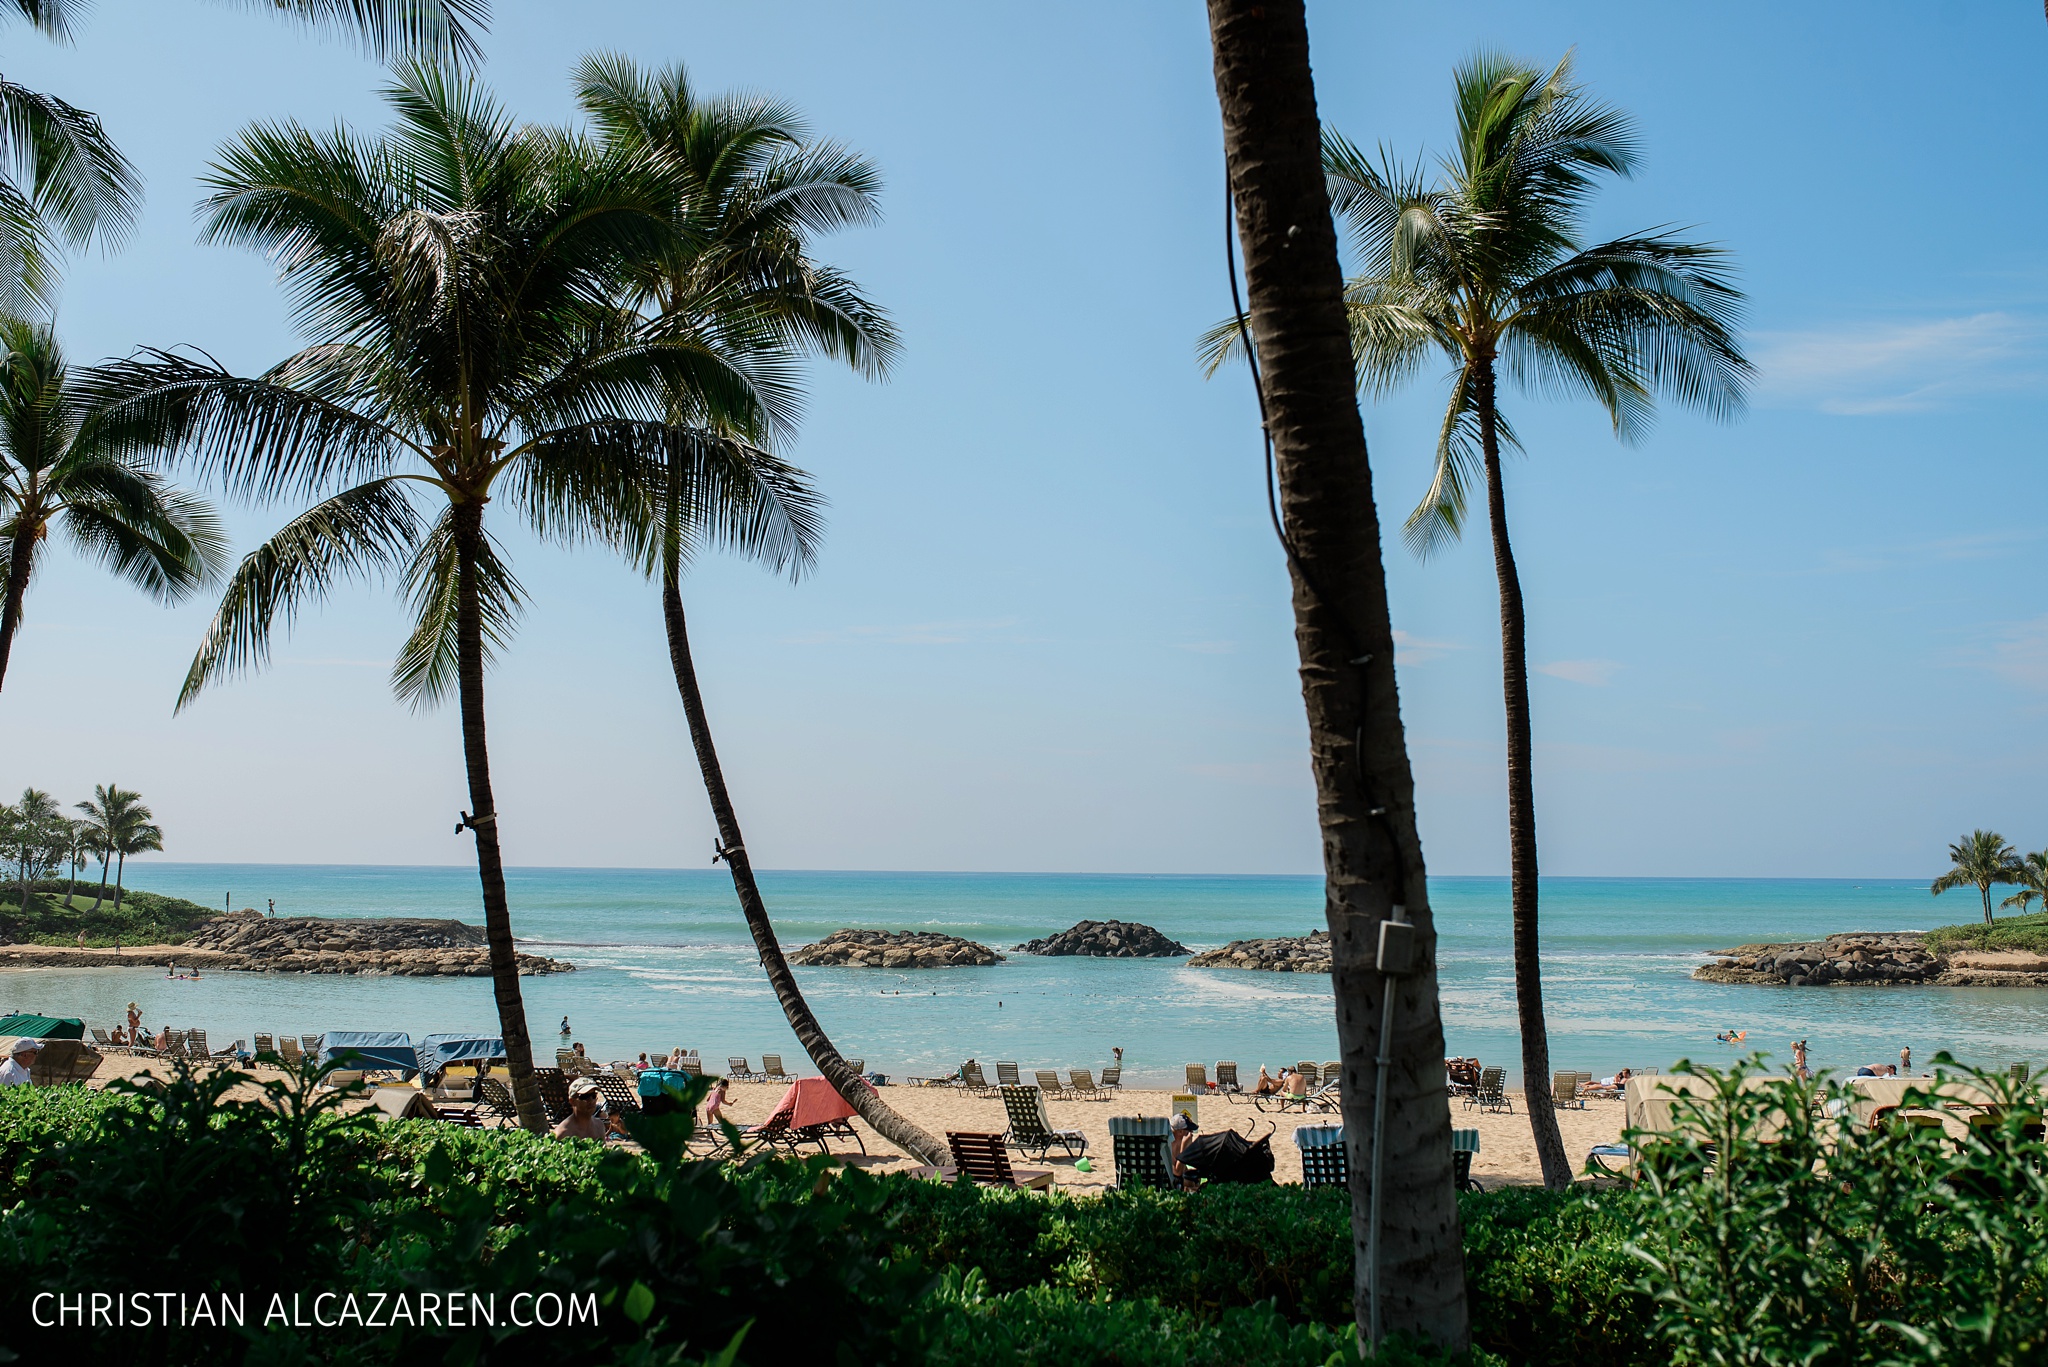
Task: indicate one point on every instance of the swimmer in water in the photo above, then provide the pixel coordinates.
(1733, 1037)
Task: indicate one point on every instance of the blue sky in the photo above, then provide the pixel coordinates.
(1050, 629)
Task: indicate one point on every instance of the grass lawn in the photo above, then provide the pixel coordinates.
(2009, 932)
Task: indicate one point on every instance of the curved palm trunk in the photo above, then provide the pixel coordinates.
(20, 560)
(101, 895)
(490, 867)
(894, 1127)
(120, 872)
(1365, 791)
(1514, 668)
(1985, 888)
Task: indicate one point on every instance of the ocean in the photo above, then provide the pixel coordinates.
(664, 959)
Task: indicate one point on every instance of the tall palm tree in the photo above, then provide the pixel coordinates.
(1397, 1117)
(1981, 859)
(1486, 269)
(63, 462)
(2031, 874)
(118, 825)
(750, 188)
(457, 276)
(64, 183)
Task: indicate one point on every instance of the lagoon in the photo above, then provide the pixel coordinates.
(663, 958)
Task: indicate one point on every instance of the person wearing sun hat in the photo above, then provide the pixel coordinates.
(15, 1072)
(583, 1121)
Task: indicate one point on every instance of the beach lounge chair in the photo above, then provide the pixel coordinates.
(565, 1059)
(1324, 1162)
(1226, 1078)
(554, 1092)
(691, 1064)
(311, 1044)
(982, 1159)
(64, 1063)
(972, 1079)
(2017, 1072)
(1564, 1092)
(771, 1069)
(1491, 1094)
(738, 1069)
(99, 1037)
(1142, 1149)
(620, 1097)
(265, 1044)
(1081, 1084)
(1198, 1077)
(1031, 1130)
(1607, 1160)
(1006, 1073)
(288, 1049)
(1309, 1071)
(1464, 1148)
(1331, 1072)
(494, 1101)
(1049, 1082)
(1113, 1076)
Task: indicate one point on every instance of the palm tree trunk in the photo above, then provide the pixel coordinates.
(20, 560)
(896, 1128)
(490, 867)
(1986, 890)
(101, 895)
(1365, 792)
(1514, 668)
(120, 872)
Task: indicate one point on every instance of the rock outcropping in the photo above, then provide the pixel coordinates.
(895, 949)
(1872, 959)
(372, 945)
(1309, 953)
(1107, 940)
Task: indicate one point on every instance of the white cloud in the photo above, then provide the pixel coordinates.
(1415, 650)
(1866, 369)
(1597, 673)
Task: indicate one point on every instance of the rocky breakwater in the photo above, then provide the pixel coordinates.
(1873, 959)
(1308, 953)
(895, 949)
(370, 945)
(1107, 940)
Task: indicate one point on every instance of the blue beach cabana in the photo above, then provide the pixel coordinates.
(371, 1050)
(436, 1052)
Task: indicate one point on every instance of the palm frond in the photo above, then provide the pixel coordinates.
(75, 177)
(439, 30)
(1439, 518)
(367, 530)
(426, 668)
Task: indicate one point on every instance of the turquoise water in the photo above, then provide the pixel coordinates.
(663, 958)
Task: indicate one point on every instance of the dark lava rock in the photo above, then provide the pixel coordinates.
(1107, 940)
(407, 947)
(895, 949)
(1309, 953)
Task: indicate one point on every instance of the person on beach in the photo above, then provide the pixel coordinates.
(1297, 1084)
(583, 1121)
(642, 1065)
(273, 908)
(582, 1059)
(1906, 1059)
(1267, 1084)
(15, 1072)
(714, 1105)
(1182, 1130)
(1799, 1068)
(565, 1027)
(163, 1041)
(119, 1036)
(134, 1020)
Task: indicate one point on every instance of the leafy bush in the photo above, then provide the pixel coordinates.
(143, 917)
(2008, 932)
(1551, 1281)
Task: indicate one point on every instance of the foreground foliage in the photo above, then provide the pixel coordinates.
(1829, 1245)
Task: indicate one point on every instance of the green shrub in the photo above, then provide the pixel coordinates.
(2008, 932)
(1551, 1281)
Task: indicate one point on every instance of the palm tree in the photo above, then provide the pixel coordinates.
(1487, 269)
(32, 833)
(66, 183)
(457, 275)
(1981, 859)
(2031, 873)
(750, 187)
(63, 462)
(1365, 790)
(118, 825)
(78, 848)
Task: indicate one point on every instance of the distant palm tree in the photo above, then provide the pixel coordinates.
(750, 188)
(65, 181)
(458, 276)
(118, 825)
(78, 848)
(1486, 269)
(1982, 858)
(2031, 873)
(33, 834)
(63, 462)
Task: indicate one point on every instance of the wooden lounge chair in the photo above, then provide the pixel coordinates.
(1031, 1130)
(738, 1069)
(1491, 1094)
(982, 1159)
(1049, 1082)
(1113, 1076)
(972, 1079)
(1324, 1161)
(265, 1044)
(1006, 1073)
(288, 1049)
(1226, 1078)
(1081, 1084)
(1198, 1077)
(1141, 1147)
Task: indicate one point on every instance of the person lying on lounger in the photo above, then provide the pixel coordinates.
(1268, 1085)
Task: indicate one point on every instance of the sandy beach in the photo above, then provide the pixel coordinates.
(1506, 1153)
